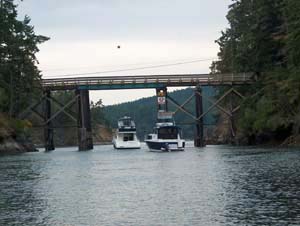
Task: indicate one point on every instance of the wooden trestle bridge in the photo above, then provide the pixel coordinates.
(82, 85)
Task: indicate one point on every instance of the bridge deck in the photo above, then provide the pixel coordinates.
(146, 81)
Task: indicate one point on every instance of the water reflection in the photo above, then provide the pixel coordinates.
(20, 203)
(262, 187)
(212, 186)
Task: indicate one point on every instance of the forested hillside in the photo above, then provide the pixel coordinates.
(264, 37)
(144, 112)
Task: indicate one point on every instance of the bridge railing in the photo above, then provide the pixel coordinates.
(170, 80)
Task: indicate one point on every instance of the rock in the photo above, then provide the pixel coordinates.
(11, 146)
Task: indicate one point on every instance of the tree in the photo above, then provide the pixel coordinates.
(264, 37)
(253, 42)
(19, 75)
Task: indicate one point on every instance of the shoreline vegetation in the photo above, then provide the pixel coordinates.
(19, 76)
(14, 136)
(263, 37)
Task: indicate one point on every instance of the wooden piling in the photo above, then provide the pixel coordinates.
(48, 130)
(232, 127)
(85, 138)
(199, 136)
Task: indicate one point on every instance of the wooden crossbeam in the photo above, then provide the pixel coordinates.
(238, 93)
(215, 104)
(181, 108)
(236, 109)
(61, 106)
(62, 109)
(32, 108)
(185, 103)
(243, 99)
(258, 92)
(24, 114)
(37, 113)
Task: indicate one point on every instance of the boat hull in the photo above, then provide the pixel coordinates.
(165, 146)
(126, 145)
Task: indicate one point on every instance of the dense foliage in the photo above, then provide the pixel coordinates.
(19, 74)
(264, 37)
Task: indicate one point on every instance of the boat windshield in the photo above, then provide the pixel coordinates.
(168, 120)
(167, 133)
(126, 122)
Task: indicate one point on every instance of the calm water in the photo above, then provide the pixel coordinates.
(217, 185)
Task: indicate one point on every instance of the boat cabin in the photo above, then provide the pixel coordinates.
(168, 132)
(126, 124)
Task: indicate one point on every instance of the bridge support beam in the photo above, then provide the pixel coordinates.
(85, 138)
(199, 136)
(232, 127)
(48, 130)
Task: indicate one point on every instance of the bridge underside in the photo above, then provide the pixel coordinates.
(138, 86)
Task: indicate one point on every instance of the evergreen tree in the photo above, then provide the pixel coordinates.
(264, 38)
(19, 75)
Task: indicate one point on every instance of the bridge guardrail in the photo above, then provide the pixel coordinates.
(169, 80)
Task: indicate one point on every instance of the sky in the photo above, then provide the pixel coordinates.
(84, 36)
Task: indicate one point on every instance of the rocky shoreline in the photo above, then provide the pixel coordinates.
(11, 146)
(13, 139)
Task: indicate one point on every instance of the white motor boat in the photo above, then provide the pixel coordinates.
(125, 136)
(166, 137)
